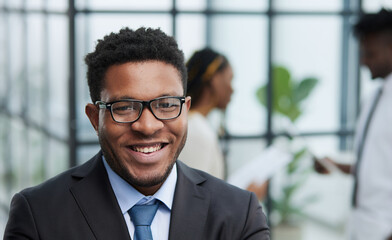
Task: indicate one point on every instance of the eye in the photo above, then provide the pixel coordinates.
(167, 104)
(122, 108)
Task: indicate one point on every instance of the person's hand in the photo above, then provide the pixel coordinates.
(320, 165)
(259, 189)
(390, 238)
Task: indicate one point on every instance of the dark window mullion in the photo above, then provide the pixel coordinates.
(72, 140)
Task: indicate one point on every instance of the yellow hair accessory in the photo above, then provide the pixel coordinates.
(211, 69)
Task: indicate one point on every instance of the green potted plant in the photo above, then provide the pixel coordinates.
(287, 99)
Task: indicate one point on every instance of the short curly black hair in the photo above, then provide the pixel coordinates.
(374, 23)
(128, 45)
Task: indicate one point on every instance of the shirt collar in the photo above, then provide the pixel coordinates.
(127, 196)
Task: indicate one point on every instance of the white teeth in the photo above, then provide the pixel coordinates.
(147, 149)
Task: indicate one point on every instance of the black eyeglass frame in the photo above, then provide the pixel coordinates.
(105, 105)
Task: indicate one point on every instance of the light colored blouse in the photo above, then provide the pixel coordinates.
(202, 149)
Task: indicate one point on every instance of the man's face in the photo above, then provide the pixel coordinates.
(143, 152)
(376, 54)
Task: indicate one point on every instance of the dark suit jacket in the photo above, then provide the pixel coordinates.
(80, 204)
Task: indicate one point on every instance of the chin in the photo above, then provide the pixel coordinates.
(148, 179)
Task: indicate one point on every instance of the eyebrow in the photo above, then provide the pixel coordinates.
(129, 97)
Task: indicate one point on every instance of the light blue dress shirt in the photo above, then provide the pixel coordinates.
(127, 196)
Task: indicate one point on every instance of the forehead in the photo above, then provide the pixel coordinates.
(229, 70)
(375, 39)
(141, 80)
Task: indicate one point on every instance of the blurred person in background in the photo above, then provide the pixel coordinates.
(371, 216)
(209, 85)
(137, 83)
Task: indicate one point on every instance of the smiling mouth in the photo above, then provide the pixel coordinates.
(148, 149)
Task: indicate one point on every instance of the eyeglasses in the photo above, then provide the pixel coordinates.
(129, 110)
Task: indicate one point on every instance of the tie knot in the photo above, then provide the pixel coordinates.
(142, 215)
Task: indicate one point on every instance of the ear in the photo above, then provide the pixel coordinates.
(215, 82)
(92, 113)
(188, 102)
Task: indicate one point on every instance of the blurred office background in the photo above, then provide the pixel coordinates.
(43, 90)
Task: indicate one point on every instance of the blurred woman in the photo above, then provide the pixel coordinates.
(209, 85)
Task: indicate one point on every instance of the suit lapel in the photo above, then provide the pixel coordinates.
(190, 206)
(96, 200)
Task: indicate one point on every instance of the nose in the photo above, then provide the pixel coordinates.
(231, 89)
(147, 124)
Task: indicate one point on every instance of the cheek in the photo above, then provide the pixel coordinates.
(227, 90)
(111, 130)
(179, 127)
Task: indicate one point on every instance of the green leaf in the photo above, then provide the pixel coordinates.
(293, 113)
(261, 94)
(300, 153)
(303, 89)
(286, 93)
(282, 89)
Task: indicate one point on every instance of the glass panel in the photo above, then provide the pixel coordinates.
(35, 68)
(191, 5)
(125, 5)
(57, 5)
(35, 164)
(85, 153)
(83, 42)
(89, 30)
(100, 25)
(235, 5)
(56, 157)
(191, 33)
(16, 64)
(6, 178)
(376, 5)
(4, 68)
(35, 4)
(241, 151)
(19, 140)
(15, 4)
(303, 53)
(308, 5)
(244, 115)
(58, 75)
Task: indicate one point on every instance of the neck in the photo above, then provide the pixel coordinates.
(206, 104)
(148, 191)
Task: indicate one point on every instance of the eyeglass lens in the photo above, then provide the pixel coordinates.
(129, 111)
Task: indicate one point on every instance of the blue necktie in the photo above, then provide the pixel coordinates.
(142, 216)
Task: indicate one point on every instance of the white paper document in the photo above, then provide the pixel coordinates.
(260, 168)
